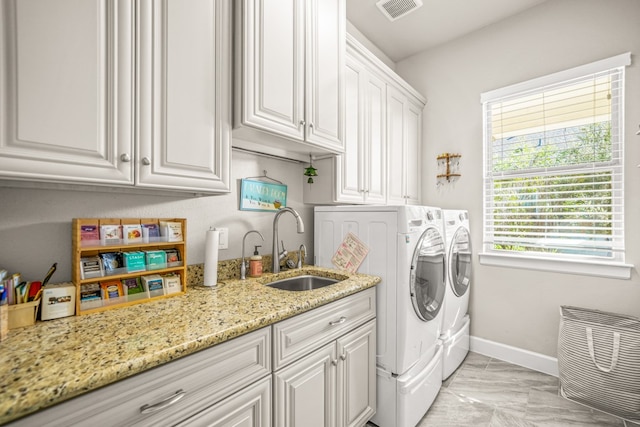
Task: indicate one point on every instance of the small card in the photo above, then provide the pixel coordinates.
(134, 261)
(132, 285)
(90, 291)
(89, 232)
(350, 254)
(111, 289)
(91, 267)
(111, 261)
(111, 234)
(173, 255)
(153, 284)
(150, 232)
(172, 284)
(156, 259)
(132, 233)
(171, 230)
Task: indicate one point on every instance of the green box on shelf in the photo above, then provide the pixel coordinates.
(156, 259)
(134, 261)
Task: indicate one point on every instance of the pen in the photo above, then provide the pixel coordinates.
(49, 274)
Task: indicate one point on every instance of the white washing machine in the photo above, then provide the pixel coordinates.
(407, 250)
(455, 328)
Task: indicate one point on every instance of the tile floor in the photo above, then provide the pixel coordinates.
(489, 392)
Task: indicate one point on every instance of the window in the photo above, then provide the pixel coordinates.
(553, 173)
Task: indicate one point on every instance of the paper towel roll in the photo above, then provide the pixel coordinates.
(211, 258)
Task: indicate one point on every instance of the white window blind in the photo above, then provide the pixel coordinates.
(553, 176)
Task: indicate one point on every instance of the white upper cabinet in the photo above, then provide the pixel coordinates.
(404, 135)
(184, 95)
(289, 66)
(66, 79)
(357, 176)
(116, 93)
(383, 136)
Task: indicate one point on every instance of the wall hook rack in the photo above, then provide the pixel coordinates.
(448, 167)
(264, 177)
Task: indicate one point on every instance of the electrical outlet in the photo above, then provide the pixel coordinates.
(223, 243)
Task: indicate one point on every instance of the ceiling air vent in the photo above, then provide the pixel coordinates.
(394, 9)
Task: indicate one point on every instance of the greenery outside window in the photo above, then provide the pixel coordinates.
(553, 172)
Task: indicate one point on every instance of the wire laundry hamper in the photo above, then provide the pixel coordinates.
(599, 360)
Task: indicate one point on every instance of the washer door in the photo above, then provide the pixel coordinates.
(427, 275)
(460, 261)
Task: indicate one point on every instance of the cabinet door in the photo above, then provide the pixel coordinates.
(413, 133)
(250, 407)
(349, 171)
(375, 159)
(325, 53)
(184, 98)
(356, 392)
(271, 69)
(66, 90)
(404, 135)
(304, 392)
(395, 147)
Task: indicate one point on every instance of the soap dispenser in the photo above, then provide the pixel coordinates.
(255, 263)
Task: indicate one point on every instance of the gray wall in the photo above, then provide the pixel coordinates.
(511, 306)
(35, 224)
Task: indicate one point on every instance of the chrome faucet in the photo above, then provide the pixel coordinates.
(300, 256)
(243, 265)
(275, 254)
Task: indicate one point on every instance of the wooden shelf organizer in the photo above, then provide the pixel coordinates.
(91, 248)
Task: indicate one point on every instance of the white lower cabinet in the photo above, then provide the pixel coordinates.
(227, 375)
(333, 384)
(314, 369)
(250, 407)
(305, 391)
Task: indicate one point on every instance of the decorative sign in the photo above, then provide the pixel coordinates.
(262, 196)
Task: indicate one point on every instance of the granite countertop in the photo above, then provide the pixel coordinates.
(55, 360)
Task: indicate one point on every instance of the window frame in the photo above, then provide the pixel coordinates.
(585, 265)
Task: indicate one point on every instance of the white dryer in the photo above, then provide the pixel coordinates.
(407, 251)
(455, 328)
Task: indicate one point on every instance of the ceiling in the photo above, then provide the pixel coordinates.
(436, 22)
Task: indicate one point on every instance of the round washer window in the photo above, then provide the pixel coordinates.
(427, 275)
(460, 261)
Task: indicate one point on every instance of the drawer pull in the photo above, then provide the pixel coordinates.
(149, 409)
(338, 322)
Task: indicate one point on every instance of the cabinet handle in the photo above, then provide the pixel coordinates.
(149, 409)
(146, 161)
(310, 125)
(334, 362)
(343, 356)
(339, 321)
(125, 158)
(302, 123)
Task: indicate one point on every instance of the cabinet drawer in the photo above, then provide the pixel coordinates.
(295, 337)
(202, 379)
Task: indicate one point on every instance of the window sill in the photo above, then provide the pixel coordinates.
(613, 270)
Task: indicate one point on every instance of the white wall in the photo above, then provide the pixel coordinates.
(510, 306)
(35, 224)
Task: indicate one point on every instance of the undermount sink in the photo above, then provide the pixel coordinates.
(302, 283)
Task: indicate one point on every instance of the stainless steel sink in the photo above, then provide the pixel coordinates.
(302, 283)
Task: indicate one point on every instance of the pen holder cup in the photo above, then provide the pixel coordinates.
(24, 314)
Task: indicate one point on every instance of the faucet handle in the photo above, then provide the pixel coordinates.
(300, 255)
(284, 252)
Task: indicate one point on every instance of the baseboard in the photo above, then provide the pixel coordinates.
(517, 356)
